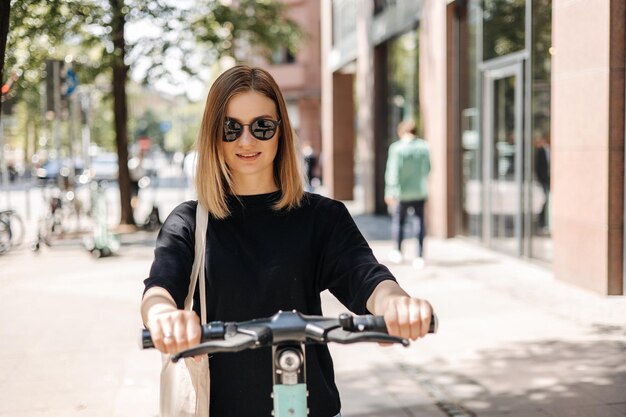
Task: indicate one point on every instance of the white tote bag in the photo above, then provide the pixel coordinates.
(185, 385)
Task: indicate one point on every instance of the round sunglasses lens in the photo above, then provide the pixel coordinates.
(263, 129)
(232, 130)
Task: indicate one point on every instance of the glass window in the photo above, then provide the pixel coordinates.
(471, 220)
(503, 27)
(282, 55)
(541, 87)
(490, 29)
(403, 65)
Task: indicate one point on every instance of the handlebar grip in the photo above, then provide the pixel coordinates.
(369, 324)
(377, 324)
(145, 341)
(210, 331)
(434, 324)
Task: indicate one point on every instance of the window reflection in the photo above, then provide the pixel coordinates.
(489, 29)
(503, 27)
(541, 98)
(403, 65)
(471, 217)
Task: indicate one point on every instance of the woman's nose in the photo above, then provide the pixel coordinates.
(246, 137)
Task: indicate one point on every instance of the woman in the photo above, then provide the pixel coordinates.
(270, 247)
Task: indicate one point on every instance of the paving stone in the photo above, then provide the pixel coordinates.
(586, 411)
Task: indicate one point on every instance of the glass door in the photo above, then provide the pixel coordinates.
(503, 158)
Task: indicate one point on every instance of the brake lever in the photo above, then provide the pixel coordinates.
(343, 337)
(240, 339)
(232, 344)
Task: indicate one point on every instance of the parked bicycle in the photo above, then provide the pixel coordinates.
(64, 215)
(5, 237)
(14, 227)
(101, 242)
(288, 333)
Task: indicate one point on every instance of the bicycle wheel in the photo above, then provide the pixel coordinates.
(16, 224)
(45, 229)
(5, 237)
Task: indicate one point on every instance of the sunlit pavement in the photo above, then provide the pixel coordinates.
(512, 340)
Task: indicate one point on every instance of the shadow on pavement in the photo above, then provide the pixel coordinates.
(546, 378)
(458, 263)
(417, 411)
(139, 238)
(374, 227)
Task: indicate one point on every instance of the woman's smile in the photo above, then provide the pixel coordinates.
(249, 156)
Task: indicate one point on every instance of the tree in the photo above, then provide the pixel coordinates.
(5, 12)
(120, 110)
(99, 28)
(39, 31)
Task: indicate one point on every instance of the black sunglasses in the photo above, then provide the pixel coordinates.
(261, 129)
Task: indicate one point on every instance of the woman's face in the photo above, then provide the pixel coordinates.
(250, 160)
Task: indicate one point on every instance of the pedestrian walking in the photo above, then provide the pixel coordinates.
(406, 188)
(542, 173)
(269, 246)
(310, 164)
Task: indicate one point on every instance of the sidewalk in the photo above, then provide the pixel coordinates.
(512, 341)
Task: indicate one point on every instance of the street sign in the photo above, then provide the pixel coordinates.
(71, 82)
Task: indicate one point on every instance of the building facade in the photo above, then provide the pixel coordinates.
(522, 104)
(299, 77)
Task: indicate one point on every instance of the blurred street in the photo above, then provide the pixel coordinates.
(512, 340)
(166, 189)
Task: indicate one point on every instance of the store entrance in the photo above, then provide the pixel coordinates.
(503, 156)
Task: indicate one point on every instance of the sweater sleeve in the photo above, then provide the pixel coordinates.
(349, 268)
(174, 254)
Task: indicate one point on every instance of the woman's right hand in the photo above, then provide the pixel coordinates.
(174, 330)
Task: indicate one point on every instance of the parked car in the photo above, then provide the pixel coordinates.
(104, 167)
(53, 168)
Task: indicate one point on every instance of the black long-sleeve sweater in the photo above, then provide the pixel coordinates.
(259, 261)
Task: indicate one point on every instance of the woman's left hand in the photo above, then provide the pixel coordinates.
(407, 317)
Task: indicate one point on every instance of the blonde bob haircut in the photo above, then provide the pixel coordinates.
(213, 177)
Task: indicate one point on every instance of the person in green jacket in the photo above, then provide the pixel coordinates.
(406, 187)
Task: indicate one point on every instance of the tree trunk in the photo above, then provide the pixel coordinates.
(120, 111)
(5, 11)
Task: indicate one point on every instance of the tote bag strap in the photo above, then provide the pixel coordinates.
(197, 270)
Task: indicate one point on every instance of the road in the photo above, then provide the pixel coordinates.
(29, 200)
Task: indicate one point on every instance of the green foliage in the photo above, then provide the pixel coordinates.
(503, 27)
(542, 40)
(102, 133)
(149, 124)
(83, 29)
(403, 94)
(188, 138)
(187, 124)
(187, 38)
(41, 30)
(255, 25)
(197, 37)
(504, 30)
